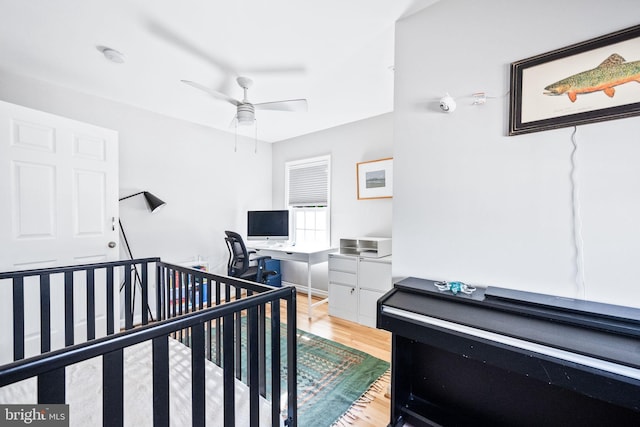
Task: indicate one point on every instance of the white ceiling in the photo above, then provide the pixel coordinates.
(337, 54)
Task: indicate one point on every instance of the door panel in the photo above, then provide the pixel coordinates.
(59, 178)
(89, 203)
(33, 192)
(33, 136)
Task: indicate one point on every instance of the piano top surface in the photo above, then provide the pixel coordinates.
(597, 330)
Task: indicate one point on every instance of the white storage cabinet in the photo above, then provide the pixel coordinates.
(355, 284)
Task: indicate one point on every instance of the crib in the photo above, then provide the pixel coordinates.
(145, 342)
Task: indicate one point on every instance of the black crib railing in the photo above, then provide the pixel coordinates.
(203, 310)
(69, 278)
(186, 290)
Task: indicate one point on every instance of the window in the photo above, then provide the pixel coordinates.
(307, 197)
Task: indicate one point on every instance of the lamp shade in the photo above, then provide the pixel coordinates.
(152, 201)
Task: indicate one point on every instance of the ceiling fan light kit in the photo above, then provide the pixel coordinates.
(245, 113)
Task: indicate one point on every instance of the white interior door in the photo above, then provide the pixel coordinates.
(58, 206)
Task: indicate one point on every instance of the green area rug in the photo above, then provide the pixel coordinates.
(331, 377)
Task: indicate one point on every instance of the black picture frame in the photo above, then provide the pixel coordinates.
(577, 84)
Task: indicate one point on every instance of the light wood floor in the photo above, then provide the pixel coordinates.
(370, 340)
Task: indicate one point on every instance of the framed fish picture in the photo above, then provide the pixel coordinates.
(587, 82)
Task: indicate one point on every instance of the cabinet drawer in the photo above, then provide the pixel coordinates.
(285, 256)
(342, 277)
(375, 275)
(343, 302)
(342, 264)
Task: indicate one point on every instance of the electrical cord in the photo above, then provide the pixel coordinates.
(577, 220)
(498, 97)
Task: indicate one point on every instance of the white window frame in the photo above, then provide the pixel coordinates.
(295, 208)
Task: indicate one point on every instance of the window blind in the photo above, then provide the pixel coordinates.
(309, 183)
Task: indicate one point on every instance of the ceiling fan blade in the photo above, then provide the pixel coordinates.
(189, 46)
(212, 92)
(284, 69)
(288, 105)
(229, 70)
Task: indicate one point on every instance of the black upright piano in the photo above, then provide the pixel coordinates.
(501, 357)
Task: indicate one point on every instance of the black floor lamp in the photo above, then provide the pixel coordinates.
(154, 203)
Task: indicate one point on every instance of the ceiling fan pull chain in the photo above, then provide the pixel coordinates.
(235, 148)
(255, 136)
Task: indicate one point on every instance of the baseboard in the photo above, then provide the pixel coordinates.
(303, 289)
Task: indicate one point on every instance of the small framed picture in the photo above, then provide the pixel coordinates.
(375, 179)
(588, 82)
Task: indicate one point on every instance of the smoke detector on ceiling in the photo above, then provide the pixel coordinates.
(111, 54)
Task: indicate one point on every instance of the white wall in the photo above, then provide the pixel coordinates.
(474, 205)
(207, 186)
(348, 144)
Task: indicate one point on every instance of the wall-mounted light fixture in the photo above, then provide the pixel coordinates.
(447, 104)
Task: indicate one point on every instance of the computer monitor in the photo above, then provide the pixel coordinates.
(268, 225)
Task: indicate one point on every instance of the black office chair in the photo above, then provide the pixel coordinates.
(241, 264)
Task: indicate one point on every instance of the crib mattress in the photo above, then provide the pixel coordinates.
(84, 390)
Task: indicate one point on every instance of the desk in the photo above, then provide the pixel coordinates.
(308, 254)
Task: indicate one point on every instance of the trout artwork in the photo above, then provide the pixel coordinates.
(613, 71)
(594, 82)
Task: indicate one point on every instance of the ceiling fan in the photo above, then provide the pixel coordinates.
(245, 110)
